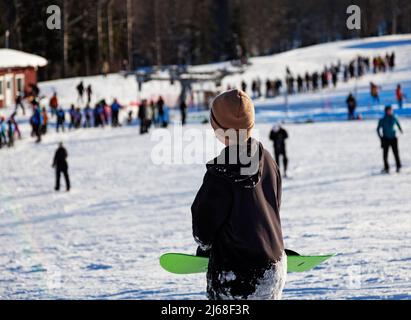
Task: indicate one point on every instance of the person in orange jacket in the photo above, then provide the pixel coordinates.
(45, 121)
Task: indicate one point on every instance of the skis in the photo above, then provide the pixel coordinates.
(179, 263)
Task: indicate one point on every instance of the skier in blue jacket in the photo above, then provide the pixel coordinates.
(387, 133)
(3, 130)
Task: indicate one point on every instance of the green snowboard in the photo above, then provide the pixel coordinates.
(179, 263)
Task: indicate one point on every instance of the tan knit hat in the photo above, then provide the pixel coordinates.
(232, 110)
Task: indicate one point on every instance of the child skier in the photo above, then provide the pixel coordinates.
(236, 213)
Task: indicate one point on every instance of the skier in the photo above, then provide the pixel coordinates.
(400, 96)
(54, 104)
(77, 118)
(72, 113)
(45, 121)
(351, 106)
(160, 110)
(183, 111)
(115, 110)
(235, 218)
(89, 92)
(278, 136)
(142, 117)
(374, 91)
(36, 122)
(3, 130)
(87, 116)
(386, 132)
(16, 126)
(10, 133)
(19, 103)
(80, 91)
(61, 119)
(60, 164)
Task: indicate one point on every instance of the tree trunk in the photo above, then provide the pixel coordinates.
(65, 37)
(110, 33)
(129, 10)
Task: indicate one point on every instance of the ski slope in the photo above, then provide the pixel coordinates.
(103, 239)
(324, 105)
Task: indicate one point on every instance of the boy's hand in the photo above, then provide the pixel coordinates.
(202, 253)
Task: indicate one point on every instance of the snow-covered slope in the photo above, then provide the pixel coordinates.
(104, 238)
(323, 105)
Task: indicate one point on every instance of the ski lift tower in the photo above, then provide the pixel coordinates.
(183, 74)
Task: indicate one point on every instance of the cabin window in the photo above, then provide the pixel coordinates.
(20, 83)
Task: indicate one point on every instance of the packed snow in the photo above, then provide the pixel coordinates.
(10, 58)
(103, 239)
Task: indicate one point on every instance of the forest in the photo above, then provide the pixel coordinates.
(100, 36)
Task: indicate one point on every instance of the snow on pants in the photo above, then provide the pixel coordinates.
(256, 284)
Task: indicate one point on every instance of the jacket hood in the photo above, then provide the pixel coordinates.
(239, 164)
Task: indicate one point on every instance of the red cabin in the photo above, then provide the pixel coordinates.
(18, 70)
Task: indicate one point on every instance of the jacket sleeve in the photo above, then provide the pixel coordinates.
(210, 209)
(398, 124)
(379, 129)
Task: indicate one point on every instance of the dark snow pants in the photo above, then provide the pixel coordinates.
(63, 171)
(388, 143)
(282, 153)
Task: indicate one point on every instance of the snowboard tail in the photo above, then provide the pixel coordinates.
(179, 263)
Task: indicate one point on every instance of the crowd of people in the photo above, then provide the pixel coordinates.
(330, 76)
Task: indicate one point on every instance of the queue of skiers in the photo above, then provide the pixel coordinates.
(330, 76)
(153, 113)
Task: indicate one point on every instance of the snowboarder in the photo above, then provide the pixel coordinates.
(387, 133)
(19, 103)
(183, 111)
(351, 106)
(235, 218)
(61, 119)
(400, 96)
(80, 91)
(61, 166)
(278, 136)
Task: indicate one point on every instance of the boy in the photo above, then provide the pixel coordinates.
(236, 219)
(386, 132)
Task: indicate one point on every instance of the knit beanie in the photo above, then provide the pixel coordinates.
(232, 110)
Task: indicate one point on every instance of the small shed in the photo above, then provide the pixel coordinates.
(18, 70)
